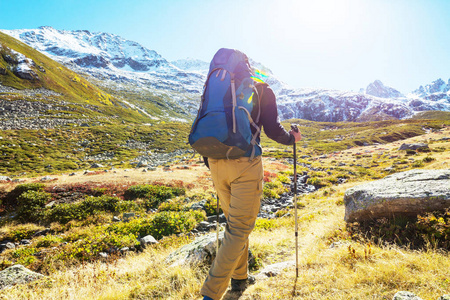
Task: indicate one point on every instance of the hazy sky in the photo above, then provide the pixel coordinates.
(341, 44)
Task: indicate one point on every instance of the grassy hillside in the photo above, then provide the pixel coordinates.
(72, 148)
(327, 137)
(66, 149)
(433, 115)
(86, 98)
(50, 75)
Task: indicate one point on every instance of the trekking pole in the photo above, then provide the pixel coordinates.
(217, 211)
(295, 128)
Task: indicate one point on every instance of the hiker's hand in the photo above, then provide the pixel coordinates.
(297, 135)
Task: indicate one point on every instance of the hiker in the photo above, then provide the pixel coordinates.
(237, 174)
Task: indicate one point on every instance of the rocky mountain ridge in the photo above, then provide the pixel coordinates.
(121, 64)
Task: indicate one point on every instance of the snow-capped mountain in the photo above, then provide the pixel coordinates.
(108, 56)
(122, 64)
(378, 89)
(192, 65)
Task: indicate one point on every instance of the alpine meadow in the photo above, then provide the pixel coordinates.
(102, 196)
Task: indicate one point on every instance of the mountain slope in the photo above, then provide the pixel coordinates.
(23, 67)
(49, 93)
(171, 90)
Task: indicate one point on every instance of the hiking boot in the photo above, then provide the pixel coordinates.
(239, 285)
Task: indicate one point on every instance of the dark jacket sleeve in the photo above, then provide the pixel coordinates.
(270, 120)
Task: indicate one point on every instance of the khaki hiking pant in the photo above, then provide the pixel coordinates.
(238, 183)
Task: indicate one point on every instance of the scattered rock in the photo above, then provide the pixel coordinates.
(48, 178)
(403, 295)
(124, 250)
(222, 218)
(96, 165)
(203, 226)
(445, 297)
(5, 178)
(274, 269)
(127, 216)
(50, 204)
(142, 163)
(413, 146)
(116, 219)
(17, 274)
(407, 193)
(42, 232)
(198, 206)
(148, 240)
(103, 255)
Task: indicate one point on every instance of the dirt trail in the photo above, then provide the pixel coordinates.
(309, 241)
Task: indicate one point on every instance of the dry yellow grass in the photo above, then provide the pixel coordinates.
(348, 271)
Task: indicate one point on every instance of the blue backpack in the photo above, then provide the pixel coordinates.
(222, 128)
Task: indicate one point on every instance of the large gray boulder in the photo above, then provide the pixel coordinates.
(407, 193)
(17, 274)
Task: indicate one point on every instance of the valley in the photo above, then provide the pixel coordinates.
(94, 159)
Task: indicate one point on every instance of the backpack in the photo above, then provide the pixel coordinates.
(222, 128)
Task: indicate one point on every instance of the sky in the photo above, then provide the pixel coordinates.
(336, 44)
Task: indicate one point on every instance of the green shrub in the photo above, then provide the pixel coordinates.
(30, 205)
(435, 227)
(10, 200)
(128, 206)
(423, 149)
(432, 228)
(171, 205)
(153, 194)
(160, 224)
(316, 181)
(87, 247)
(20, 232)
(273, 189)
(211, 206)
(168, 223)
(417, 164)
(410, 152)
(266, 224)
(48, 241)
(66, 212)
(428, 159)
(283, 179)
(24, 256)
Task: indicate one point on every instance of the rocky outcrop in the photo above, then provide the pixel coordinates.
(17, 274)
(201, 251)
(413, 146)
(378, 89)
(405, 295)
(408, 193)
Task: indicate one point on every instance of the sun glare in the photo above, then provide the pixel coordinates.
(312, 19)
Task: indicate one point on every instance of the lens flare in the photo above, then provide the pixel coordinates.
(260, 76)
